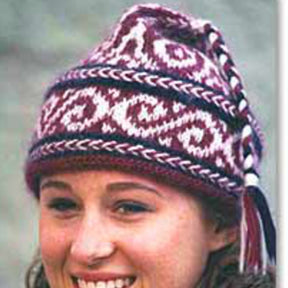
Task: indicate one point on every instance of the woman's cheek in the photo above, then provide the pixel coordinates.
(145, 246)
(54, 242)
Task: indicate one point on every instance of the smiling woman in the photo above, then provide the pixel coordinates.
(144, 163)
(121, 230)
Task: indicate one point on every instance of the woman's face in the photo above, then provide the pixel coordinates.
(101, 229)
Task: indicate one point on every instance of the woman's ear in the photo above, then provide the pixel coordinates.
(219, 239)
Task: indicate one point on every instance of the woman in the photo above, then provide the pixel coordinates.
(144, 163)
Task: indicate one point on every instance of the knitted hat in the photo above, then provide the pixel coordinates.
(161, 97)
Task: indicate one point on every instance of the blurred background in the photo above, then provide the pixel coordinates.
(40, 39)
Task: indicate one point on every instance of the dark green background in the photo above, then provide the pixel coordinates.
(41, 38)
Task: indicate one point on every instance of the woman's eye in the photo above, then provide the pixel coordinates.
(62, 204)
(131, 207)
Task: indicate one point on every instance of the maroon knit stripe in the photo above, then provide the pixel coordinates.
(125, 164)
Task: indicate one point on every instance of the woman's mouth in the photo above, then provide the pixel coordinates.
(112, 283)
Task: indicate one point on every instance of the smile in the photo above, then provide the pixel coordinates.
(115, 283)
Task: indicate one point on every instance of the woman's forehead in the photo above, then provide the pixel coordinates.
(111, 181)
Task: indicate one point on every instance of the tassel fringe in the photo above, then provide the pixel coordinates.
(258, 234)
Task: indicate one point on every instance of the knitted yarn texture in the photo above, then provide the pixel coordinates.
(160, 96)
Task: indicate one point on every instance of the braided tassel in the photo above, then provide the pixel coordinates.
(260, 232)
(257, 228)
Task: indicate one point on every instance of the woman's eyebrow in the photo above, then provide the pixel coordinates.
(123, 186)
(55, 184)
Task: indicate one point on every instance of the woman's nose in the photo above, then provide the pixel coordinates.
(92, 242)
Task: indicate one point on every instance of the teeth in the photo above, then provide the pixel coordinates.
(101, 284)
(110, 284)
(118, 283)
(91, 285)
(81, 284)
